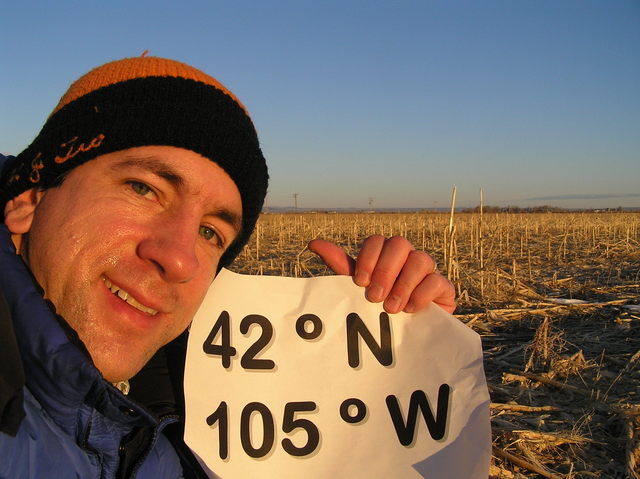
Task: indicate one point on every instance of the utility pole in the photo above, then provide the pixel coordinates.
(295, 200)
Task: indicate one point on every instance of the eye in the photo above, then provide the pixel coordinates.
(210, 234)
(140, 188)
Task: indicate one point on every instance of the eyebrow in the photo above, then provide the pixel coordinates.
(155, 166)
(229, 217)
(165, 171)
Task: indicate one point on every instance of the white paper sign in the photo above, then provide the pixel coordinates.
(292, 377)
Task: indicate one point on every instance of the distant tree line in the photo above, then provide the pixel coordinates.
(528, 209)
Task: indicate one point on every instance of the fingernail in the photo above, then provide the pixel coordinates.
(361, 278)
(374, 293)
(392, 304)
(410, 308)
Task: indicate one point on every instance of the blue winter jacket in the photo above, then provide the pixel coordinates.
(58, 417)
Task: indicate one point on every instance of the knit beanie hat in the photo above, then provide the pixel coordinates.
(139, 102)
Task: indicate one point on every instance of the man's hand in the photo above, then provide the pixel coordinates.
(393, 271)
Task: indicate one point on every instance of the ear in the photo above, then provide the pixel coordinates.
(18, 212)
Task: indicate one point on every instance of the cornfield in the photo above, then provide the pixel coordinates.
(556, 300)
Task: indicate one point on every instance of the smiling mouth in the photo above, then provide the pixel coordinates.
(126, 297)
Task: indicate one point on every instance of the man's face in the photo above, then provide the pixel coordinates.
(127, 247)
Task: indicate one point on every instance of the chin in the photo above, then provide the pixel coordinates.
(117, 376)
(114, 372)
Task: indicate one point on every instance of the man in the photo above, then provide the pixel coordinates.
(145, 180)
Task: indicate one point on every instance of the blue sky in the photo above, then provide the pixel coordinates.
(537, 102)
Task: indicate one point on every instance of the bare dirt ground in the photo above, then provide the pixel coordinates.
(556, 300)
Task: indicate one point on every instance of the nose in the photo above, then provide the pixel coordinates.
(171, 247)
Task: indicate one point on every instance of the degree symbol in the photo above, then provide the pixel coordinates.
(360, 410)
(302, 322)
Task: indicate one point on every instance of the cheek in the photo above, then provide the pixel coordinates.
(65, 245)
(194, 298)
(55, 227)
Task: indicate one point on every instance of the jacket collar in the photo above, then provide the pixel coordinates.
(11, 375)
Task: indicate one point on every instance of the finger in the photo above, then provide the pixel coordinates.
(418, 265)
(367, 259)
(434, 288)
(333, 256)
(390, 262)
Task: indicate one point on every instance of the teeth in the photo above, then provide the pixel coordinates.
(122, 294)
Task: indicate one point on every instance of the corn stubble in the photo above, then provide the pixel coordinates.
(551, 294)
